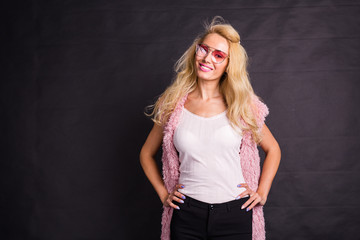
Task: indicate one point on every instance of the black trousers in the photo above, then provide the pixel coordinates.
(198, 220)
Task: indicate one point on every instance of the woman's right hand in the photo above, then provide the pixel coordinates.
(174, 196)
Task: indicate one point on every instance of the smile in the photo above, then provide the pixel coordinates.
(204, 68)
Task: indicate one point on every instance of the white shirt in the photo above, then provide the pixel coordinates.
(208, 149)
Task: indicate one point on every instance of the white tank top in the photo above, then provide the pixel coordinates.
(208, 149)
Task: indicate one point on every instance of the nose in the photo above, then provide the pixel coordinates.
(207, 57)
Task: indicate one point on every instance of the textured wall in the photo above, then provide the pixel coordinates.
(76, 76)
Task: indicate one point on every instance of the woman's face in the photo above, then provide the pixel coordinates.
(206, 68)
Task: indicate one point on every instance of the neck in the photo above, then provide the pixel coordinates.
(207, 89)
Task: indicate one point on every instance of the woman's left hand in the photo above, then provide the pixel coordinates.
(255, 197)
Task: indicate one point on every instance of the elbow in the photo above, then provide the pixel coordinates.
(274, 150)
(144, 157)
(141, 156)
(277, 151)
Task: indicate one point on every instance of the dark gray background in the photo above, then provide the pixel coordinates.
(76, 76)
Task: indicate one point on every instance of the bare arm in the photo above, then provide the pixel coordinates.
(270, 167)
(148, 163)
(271, 162)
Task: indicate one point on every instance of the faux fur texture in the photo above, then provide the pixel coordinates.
(250, 164)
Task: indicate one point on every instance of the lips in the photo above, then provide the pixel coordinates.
(204, 67)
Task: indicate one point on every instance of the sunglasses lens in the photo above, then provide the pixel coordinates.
(201, 50)
(218, 56)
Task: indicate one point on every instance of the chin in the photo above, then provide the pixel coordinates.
(206, 76)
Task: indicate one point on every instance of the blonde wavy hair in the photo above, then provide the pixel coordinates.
(235, 85)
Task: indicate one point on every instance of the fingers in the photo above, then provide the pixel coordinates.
(171, 204)
(243, 194)
(253, 200)
(179, 186)
(254, 203)
(175, 196)
(177, 199)
(244, 185)
(248, 191)
(177, 193)
(170, 199)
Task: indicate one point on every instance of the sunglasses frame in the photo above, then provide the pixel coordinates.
(211, 51)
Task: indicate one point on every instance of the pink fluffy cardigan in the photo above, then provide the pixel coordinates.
(250, 164)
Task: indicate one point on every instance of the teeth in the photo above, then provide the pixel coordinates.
(205, 67)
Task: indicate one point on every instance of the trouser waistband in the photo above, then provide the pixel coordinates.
(226, 205)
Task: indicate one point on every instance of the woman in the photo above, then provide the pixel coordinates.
(210, 121)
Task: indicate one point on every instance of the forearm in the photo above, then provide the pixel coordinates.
(270, 167)
(153, 174)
